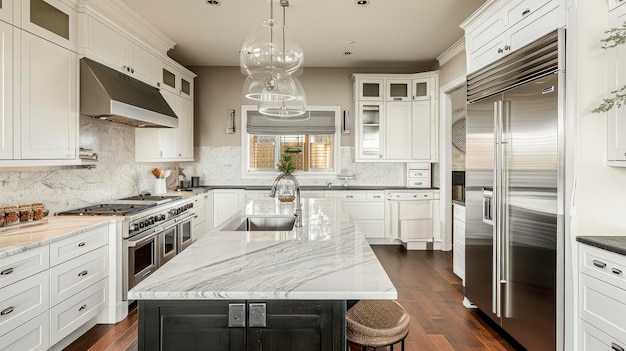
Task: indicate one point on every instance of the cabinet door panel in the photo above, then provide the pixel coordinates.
(370, 137)
(6, 11)
(51, 20)
(398, 131)
(226, 203)
(6, 90)
(421, 130)
(616, 138)
(34, 335)
(146, 66)
(49, 108)
(23, 301)
(17, 267)
(184, 137)
(108, 46)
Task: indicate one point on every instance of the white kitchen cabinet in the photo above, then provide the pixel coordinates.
(369, 89)
(6, 11)
(403, 127)
(48, 99)
(226, 202)
(398, 89)
(176, 82)
(33, 335)
(110, 47)
(168, 144)
(398, 131)
(6, 90)
(458, 247)
(23, 265)
(54, 20)
(23, 300)
(411, 216)
(198, 227)
(506, 26)
(601, 299)
(208, 212)
(367, 209)
(616, 117)
(71, 277)
(616, 3)
(74, 246)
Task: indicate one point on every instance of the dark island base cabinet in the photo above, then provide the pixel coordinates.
(189, 325)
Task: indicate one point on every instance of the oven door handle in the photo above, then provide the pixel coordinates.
(186, 218)
(143, 240)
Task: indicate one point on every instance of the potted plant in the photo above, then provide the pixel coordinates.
(286, 188)
(616, 36)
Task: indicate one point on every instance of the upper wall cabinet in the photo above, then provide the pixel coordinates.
(114, 49)
(53, 20)
(503, 26)
(403, 126)
(174, 81)
(6, 11)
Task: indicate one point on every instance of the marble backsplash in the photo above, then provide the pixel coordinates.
(221, 165)
(61, 188)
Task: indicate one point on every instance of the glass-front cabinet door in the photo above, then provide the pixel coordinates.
(370, 133)
(421, 89)
(6, 10)
(398, 90)
(50, 19)
(370, 89)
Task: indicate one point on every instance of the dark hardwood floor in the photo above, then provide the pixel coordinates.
(427, 289)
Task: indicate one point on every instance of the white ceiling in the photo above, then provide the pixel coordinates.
(387, 33)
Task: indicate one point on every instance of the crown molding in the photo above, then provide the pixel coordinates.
(452, 51)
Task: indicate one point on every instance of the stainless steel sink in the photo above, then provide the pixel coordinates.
(260, 223)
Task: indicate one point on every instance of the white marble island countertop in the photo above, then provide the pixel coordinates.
(326, 259)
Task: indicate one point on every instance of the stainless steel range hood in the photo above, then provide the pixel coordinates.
(110, 95)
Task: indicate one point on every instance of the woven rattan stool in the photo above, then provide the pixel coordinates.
(377, 323)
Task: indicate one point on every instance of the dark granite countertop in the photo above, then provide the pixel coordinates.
(615, 244)
(459, 202)
(309, 187)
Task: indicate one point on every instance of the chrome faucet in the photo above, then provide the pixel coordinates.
(298, 212)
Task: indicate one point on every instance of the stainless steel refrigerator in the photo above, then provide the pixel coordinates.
(514, 192)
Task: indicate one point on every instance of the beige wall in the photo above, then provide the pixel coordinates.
(453, 69)
(218, 90)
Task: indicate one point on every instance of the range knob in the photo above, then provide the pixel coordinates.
(155, 218)
(190, 204)
(141, 224)
(134, 227)
(146, 223)
(162, 217)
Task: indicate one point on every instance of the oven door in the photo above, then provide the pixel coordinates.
(184, 232)
(142, 258)
(168, 244)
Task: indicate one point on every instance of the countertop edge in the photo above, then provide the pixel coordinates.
(615, 244)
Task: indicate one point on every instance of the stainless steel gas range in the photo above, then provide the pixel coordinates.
(154, 230)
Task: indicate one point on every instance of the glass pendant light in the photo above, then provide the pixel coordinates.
(286, 109)
(270, 86)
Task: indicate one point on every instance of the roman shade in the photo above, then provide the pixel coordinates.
(319, 122)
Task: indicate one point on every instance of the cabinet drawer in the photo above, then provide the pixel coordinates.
(375, 195)
(524, 9)
(22, 301)
(70, 277)
(75, 246)
(417, 173)
(418, 195)
(33, 335)
(76, 311)
(604, 265)
(592, 339)
(459, 213)
(22, 265)
(423, 182)
(347, 195)
(602, 305)
(365, 209)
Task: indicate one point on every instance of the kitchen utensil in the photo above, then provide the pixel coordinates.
(156, 173)
(195, 182)
(162, 175)
(167, 173)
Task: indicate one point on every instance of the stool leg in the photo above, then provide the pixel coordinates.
(391, 347)
(402, 348)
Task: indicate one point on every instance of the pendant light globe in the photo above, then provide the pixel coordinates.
(286, 108)
(271, 86)
(266, 48)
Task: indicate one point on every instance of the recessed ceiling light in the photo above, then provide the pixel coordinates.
(346, 53)
(362, 2)
(214, 2)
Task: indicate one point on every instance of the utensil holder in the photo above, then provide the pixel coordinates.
(159, 186)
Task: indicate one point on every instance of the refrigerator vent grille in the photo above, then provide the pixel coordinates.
(528, 63)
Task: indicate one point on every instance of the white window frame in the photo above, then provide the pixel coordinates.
(245, 148)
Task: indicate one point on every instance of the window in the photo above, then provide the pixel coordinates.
(313, 144)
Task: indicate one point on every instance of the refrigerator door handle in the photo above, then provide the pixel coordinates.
(495, 280)
(505, 235)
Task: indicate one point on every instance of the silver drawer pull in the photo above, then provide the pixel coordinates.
(377, 196)
(82, 307)
(616, 347)
(599, 264)
(527, 11)
(616, 271)
(81, 244)
(83, 273)
(6, 311)
(349, 196)
(7, 271)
